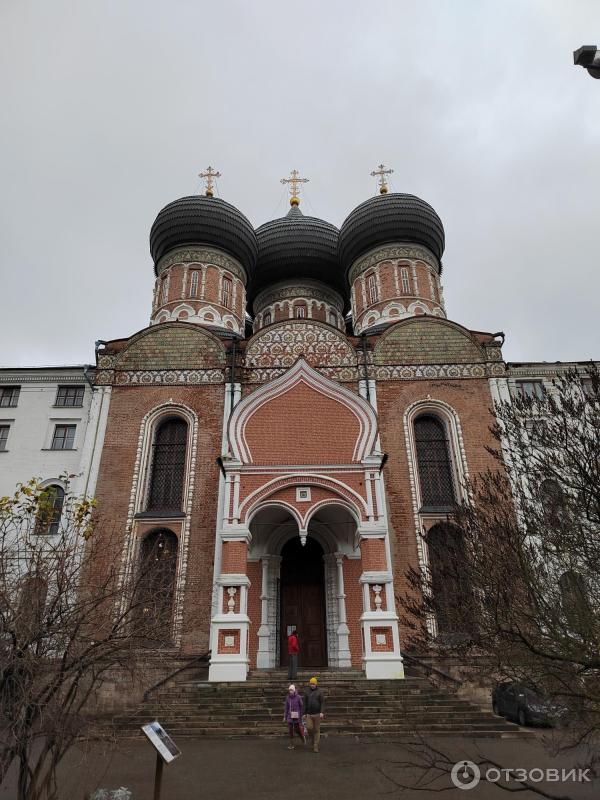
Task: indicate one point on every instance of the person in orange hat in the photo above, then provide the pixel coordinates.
(314, 704)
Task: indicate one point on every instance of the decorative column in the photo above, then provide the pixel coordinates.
(381, 655)
(229, 626)
(266, 632)
(343, 632)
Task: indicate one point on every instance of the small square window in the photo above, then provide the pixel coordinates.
(9, 396)
(64, 437)
(4, 429)
(71, 396)
(532, 389)
(302, 494)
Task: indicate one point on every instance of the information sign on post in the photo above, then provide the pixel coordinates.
(166, 751)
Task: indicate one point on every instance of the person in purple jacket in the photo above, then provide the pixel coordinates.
(293, 715)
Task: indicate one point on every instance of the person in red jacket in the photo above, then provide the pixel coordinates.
(293, 651)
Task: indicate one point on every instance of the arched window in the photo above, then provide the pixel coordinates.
(194, 283)
(300, 312)
(226, 293)
(168, 466)
(50, 510)
(267, 318)
(575, 602)
(433, 459)
(405, 280)
(452, 599)
(156, 588)
(372, 287)
(165, 289)
(332, 318)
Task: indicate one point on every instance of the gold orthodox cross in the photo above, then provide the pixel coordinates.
(294, 180)
(380, 173)
(208, 176)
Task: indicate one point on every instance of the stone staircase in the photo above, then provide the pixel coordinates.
(190, 706)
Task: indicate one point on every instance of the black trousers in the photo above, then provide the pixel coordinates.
(293, 667)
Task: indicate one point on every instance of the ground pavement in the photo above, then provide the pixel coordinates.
(255, 769)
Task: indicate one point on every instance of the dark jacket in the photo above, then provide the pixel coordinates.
(314, 701)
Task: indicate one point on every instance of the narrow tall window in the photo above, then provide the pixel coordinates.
(452, 597)
(168, 466)
(4, 429)
(9, 396)
(300, 312)
(433, 458)
(165, 289)
(50, 510)
(405, 280)
(226, 293)
(267, 318)
(64, 437)
(372, 286)
(158, 565)
(194, 283)
(71, 396)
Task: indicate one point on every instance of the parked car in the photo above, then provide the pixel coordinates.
(526, 706)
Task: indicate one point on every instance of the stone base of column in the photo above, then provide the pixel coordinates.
(344, 658)
(381, 666)
(226, 671)
(263, 657)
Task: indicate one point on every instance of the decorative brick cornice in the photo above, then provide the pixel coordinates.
(206, 256)
(313, 290)
(407, 251)
(169, 377)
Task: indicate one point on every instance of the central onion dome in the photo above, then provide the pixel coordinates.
(386, 219)
(297, 247)
(204, 220)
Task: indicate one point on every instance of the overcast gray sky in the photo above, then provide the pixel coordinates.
(111, 108)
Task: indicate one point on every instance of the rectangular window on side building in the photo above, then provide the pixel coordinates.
(64, 437)
(4, 429)
(532, 389)
(70, 396)
(9, 396)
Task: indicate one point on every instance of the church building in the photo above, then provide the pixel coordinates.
(299, 413)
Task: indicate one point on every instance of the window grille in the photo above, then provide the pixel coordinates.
(71, 396)
(9, 396)
(532, 389)
(433, 458)
(50, 510)
(64, 437)
(158, 564)
(372, 285)
(405, 280)
(267, 318)
(168, 466)
(226, 293)
(194, 284)
(4, 429)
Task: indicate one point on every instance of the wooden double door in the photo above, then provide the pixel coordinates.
(303, 602)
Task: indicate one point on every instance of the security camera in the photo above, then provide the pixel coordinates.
(588, 57)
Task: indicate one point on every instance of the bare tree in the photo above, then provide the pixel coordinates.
(516, 589)
(65, 622)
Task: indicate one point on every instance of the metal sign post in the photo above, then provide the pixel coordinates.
(166, 751)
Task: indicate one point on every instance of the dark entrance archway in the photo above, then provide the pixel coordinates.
(303, 601)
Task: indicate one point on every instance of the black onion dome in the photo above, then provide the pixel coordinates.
(390, 218)
(296, 246)
(201, 220)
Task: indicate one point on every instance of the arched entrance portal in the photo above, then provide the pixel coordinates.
(303, 601)
(303, 584)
